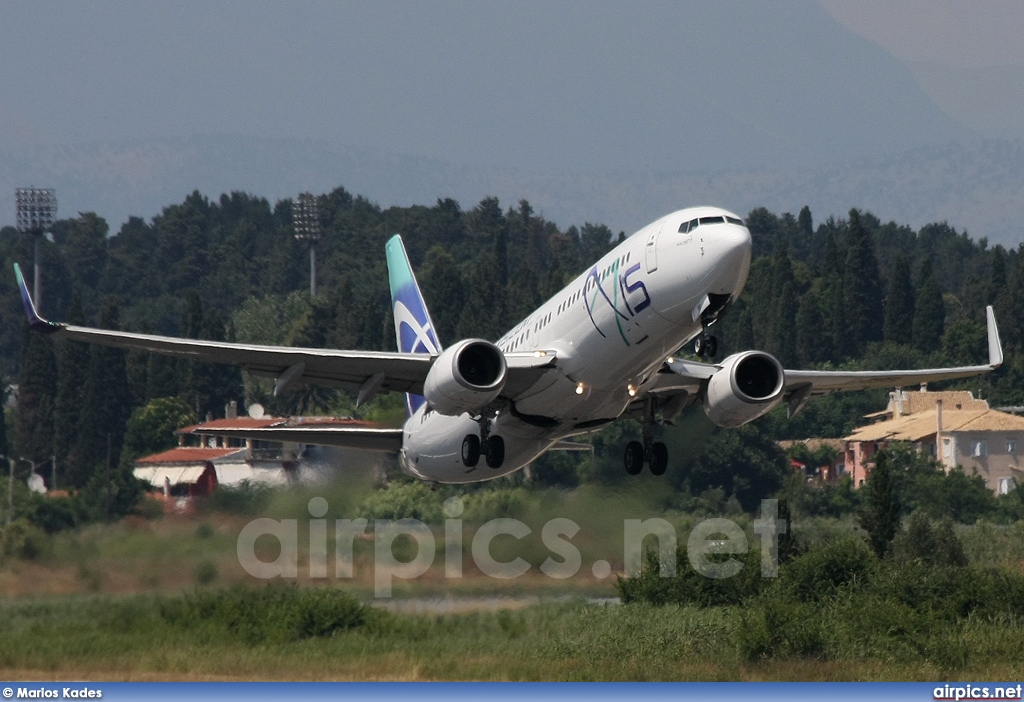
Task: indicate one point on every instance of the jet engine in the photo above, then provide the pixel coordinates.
(465, 377)
(747, 385)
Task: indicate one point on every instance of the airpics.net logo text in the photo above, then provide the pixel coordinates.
(710, 546)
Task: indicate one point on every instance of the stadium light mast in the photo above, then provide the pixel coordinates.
(306, 220)
(36, 208)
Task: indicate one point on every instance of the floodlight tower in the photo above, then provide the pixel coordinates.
(306, 219)
(36, 208)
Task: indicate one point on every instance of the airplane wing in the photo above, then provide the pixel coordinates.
(369, 372)
(688, 378)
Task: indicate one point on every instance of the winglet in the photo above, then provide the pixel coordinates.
(34, 320)
(995, 347)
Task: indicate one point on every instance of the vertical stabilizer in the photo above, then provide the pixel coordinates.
(414, 330)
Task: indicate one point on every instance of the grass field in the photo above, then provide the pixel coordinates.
(159, 600)
(127, 638)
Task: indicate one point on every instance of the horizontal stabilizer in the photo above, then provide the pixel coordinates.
(364, 438)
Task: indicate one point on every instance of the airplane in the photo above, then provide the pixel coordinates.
(603, 348)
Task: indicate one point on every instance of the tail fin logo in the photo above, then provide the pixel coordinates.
(414, 335)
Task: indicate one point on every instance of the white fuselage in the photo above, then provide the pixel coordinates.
(611, 328)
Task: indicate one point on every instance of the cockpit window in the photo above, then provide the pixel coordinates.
(712, 220)
(733, 220)
(684, 227)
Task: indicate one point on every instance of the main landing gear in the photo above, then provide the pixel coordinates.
(653, 452)
(706, 345)
(492, 448)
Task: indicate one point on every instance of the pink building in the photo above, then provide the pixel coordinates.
(958, 430)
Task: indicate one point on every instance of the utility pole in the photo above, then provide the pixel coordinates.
(36, 209)
(306, 220)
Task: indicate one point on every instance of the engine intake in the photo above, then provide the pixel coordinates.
(465, 377)
(747, 386)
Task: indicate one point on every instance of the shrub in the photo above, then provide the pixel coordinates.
(821, 572)
(777, 627)
(246, 499)
(206, 573)
(934, 543)
(273, 614)
(404, 501)
(21, 539)
(691, 587)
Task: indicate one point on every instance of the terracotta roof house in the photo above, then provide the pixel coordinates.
(954, 427)
(196, 470)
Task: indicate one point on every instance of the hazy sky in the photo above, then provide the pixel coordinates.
(967, 56)
(576, 84)
(171, 96)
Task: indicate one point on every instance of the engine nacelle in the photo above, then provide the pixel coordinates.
(748, 385)
(465, 377)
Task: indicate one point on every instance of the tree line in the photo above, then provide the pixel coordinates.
(850, 292)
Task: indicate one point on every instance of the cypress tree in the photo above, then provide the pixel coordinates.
(997, 276)
(444, 291)
(785, 325)
(811, 336)
(37, 391)
(880, 516)
(211, 386)
(899, 304)
(862, 290)
(106, 403)
(930, 312)
(72, 367)
(805, 222)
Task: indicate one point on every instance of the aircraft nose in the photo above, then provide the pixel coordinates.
(738, 238)
(733, 262)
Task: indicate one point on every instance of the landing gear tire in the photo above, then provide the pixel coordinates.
(711, 346)
(706, 345)
(495, 451)
(634, 457)
(658, 459)
(471, 450)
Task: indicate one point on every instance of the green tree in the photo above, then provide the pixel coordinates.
(862, 293)
(444, 291)
(151, 428)
(72, 367)
(37, 391)
(811, 341)
(106, 404)
(929, 313)
(880, 515)
(997, 276)
(899, 304)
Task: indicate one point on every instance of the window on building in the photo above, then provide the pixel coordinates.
(947, 448)
(1011, 446)
(980, 448)
(1006, 485)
